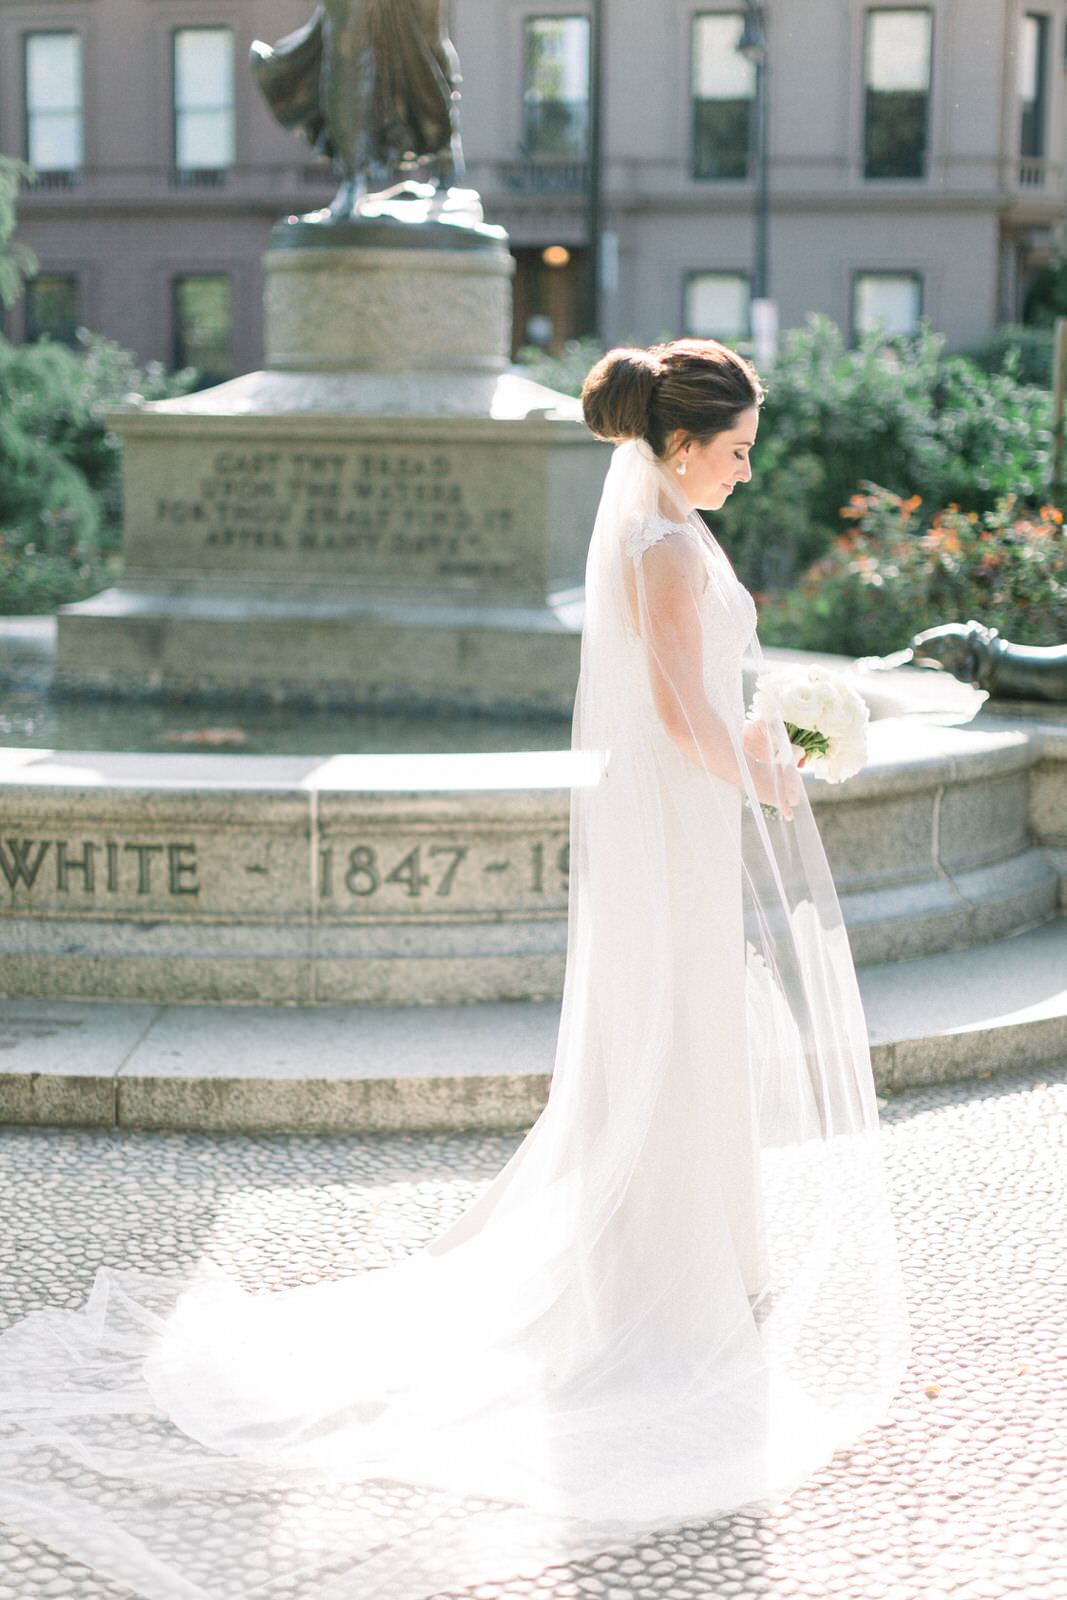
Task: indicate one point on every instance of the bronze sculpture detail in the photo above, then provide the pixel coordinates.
(373, 85)
(978, 655)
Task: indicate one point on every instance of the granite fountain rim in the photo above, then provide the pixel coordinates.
(935, 754)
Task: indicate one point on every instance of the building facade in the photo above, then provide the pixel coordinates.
(914, 163)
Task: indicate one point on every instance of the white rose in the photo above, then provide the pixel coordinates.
(801, 705)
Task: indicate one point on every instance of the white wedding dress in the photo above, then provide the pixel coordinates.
(679, 1296)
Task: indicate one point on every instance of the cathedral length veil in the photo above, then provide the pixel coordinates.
(679, 1296)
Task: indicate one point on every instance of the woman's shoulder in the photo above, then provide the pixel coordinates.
(643, 532)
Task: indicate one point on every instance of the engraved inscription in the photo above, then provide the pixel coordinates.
(403, 515)
(390, 877)
(89, 867)
(366, 876)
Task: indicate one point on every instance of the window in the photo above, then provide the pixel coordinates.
(556, 87)
(1033, 77)
(203, 99)
(897, 79)
(724, 88)
(888, 300)
(717, 305)
(52, 75)
(203, 325)
(52, 308)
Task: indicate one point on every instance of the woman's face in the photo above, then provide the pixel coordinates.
(712, 470)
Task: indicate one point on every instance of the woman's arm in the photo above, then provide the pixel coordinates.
(669, 582)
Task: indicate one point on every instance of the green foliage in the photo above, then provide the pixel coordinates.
(565, 372)
(17, 261)
(1024, 352)
(898, 570)
(898, 412)
(1046, 297)
(59, 466)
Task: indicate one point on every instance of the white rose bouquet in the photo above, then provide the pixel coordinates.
(823, 716)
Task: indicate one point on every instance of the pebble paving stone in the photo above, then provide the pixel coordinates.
(961, 1494)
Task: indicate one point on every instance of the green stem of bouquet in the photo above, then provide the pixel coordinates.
(810, 740)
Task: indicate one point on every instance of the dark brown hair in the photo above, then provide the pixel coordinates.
(698, 386)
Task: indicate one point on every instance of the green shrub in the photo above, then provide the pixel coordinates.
(894, 411)
(59, 466)
(1025, 353)
(898, 570)
(1046, 296)
(566, 371)
(898, 412)
(17, 261)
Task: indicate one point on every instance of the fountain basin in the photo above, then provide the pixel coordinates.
(394, 879)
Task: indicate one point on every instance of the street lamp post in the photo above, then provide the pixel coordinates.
(753, 46)
(594, 216)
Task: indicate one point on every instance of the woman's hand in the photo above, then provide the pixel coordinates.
(756, 738)
(777, 782)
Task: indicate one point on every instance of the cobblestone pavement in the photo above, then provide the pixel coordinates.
(963, 1493)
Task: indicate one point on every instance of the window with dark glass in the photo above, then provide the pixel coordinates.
(891, 301)
(52, 87)
(203, 325)
(555, 101)
(52, 308)
(724, 88)
(897, 92)
(203, 99)
(717, 305)
(1033, 79)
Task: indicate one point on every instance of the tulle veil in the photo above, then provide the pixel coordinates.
(679, 1296)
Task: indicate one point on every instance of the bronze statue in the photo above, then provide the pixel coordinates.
(978, 655)
(373, 85)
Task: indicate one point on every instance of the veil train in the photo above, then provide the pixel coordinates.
(678, 1297)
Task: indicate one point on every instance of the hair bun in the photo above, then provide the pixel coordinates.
(617, 394)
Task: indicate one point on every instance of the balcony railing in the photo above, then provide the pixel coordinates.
(544, 176)
(1034, 172)
(47, 182)
(102, 184)
(198, 177)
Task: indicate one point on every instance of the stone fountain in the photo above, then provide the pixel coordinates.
(386, 515)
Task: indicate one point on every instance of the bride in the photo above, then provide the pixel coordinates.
(678, 1297)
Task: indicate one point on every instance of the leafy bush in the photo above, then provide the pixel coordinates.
(566, 371)
(59, 466)
(1046, 296)
(897, 571)
(17, 261)
(897, 412)
(1024, 352)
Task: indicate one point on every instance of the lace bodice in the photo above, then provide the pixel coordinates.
(644, 534)
(735, 610)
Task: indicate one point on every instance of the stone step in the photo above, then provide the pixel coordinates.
(416, 1068)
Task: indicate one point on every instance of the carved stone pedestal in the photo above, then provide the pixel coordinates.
(385, 515)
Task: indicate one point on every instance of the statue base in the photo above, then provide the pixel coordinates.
(384, 516)
(409, 284)
(412, 214)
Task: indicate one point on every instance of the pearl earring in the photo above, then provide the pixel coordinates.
(681, 468)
